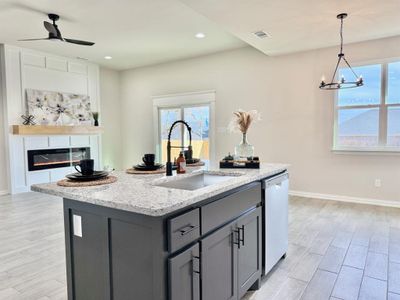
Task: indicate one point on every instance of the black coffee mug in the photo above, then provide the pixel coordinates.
(188, 154)
(86, 167)
(149, 159)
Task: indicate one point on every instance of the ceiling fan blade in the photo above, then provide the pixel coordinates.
(28, 40)
(16, 5)
(50, 27)
(78, 42)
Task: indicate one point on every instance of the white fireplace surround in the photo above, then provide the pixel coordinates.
(23, 178)
(22, 69)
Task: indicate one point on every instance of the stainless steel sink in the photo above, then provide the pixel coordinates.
(197, 181)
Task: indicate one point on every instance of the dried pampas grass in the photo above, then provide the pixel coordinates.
(242, 120)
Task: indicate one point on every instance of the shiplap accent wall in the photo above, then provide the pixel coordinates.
(24, 68)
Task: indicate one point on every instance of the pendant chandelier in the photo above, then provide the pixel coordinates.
(342, 83)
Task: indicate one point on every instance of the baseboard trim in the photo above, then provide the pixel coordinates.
(2, 193)
(370, 201)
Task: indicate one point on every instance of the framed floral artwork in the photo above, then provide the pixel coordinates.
(56, 108)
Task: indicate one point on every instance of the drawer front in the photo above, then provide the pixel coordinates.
(183, 230)
(228, 208)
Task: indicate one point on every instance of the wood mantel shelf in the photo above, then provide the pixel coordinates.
(55, 130)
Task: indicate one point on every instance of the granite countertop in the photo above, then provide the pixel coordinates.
(138, 193)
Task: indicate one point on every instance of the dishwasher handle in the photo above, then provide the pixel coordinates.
(277, 180)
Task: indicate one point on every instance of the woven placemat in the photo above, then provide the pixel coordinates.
(198, 164)
(71, 183)
(138, 172)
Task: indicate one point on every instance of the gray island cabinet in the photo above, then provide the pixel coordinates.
(208, 247)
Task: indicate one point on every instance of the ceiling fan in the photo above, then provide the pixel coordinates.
(55, 34)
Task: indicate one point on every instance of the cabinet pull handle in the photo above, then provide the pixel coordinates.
(242, 235)
(188, 229)
(238, 237)
(198, 258)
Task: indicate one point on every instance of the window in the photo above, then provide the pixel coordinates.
(367, 118)
(197, 110)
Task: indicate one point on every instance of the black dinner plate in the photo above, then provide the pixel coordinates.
(95, 176)
(143, 167)
(192, 161)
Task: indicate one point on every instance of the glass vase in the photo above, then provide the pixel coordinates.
(244, 149)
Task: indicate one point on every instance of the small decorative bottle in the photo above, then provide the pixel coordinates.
(181, 164)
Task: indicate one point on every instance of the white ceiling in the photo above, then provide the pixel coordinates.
(144, 32)
(297, 25)
(134, 32)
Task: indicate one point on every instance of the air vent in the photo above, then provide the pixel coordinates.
(261, 34)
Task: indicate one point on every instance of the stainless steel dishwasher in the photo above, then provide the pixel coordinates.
(276, 212)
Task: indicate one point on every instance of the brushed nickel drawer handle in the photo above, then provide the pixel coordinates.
(188, 229)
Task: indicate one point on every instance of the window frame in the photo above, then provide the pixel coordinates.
(181, 101)
(383, 113)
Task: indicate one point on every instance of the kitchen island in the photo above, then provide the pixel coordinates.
(192, 236)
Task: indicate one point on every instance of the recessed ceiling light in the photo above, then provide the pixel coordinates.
(107, 57)
(200, 35)
(261, 34)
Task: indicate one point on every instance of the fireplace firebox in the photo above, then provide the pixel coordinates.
(56, 158)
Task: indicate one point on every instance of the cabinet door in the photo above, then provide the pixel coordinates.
(184, 275)
(249, 254)
(89, 256)
(219, 265)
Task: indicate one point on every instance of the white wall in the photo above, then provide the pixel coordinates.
(297, 116)
(110, 117)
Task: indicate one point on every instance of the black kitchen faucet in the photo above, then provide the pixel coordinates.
(190, 151)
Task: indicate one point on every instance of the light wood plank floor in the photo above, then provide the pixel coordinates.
(336, 251)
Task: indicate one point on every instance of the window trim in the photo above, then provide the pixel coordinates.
(383, 113)
(184, 100)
